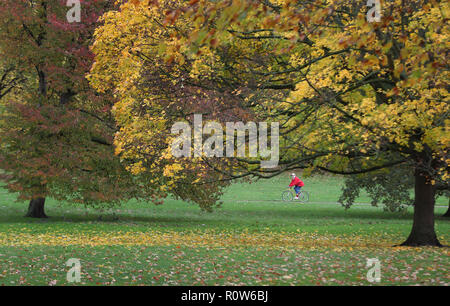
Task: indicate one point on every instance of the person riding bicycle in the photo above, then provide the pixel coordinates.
(297, 184)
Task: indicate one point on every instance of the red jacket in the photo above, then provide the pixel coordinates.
(297, 182)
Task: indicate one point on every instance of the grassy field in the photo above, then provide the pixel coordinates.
(253, 239)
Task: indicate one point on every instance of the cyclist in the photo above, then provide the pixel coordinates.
(297, 184)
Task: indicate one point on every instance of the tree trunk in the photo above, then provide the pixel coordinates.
(422, 232)
(447, 214)
(36, 208)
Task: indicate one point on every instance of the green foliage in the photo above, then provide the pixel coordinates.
(391, 188)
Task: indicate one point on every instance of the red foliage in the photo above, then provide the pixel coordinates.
(56, 138)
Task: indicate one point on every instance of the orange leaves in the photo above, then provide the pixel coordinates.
(171, 17)
(271, 21)
(214, 42)
(136, 2)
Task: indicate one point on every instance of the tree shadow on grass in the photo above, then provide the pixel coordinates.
(222, 217)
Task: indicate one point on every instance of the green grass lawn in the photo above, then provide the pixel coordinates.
(253, 239)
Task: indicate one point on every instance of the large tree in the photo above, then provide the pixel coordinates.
(152, 94)
(56, 133)
(352, 96)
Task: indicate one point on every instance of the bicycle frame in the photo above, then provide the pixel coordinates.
(289, 195)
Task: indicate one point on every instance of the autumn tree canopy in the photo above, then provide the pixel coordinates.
(56, 132)
(352, 96)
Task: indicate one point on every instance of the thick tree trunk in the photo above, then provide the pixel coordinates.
(36, 208)
(447, 214)
(422, 232)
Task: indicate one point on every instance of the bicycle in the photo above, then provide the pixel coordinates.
(289, 195)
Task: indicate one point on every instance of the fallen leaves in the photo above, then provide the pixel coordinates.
(168, 265)
(210, 238)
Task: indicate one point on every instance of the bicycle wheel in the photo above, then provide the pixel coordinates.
(287, 196)
(303, 196)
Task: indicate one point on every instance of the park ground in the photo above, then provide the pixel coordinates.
(253, 239)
